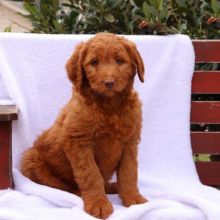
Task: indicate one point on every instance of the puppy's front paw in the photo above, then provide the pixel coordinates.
(99, 208)
(133, 199)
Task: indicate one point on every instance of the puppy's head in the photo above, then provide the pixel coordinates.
(107, 62)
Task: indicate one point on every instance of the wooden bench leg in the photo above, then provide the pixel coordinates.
(5, 155)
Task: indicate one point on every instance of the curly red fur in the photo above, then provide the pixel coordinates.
(97, 132)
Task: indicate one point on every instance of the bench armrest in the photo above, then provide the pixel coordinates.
(8, 113)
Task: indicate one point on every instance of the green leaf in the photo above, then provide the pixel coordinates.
(92, 19)
(181, 3)
(146, 10)
(56, 5)
(215, 6)
(58, 26)
(164, 13)
(157, 4)
(172, 30)
(52, 3)
(113, 3)
(109, 17)
(45, 10)
(32, 10)
(7, 29)
(149, 11)
(94, 4)
(183, 27)
(160, 4)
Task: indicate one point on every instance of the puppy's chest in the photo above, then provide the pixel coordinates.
(110, 134)
(120, 126)
(107, 150)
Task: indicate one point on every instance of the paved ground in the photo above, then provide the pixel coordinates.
(16, 21)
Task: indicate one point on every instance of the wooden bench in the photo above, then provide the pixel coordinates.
(202, 112)
(207, 112)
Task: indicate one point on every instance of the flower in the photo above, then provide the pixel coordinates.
(212, 20)
(143, 24)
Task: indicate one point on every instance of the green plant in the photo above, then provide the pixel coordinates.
(93, 16)
(196, 18)
(88, 16)
(46, 16)
(153, 15)
(179, 16)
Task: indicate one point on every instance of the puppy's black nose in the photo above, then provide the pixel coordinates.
(109, 83)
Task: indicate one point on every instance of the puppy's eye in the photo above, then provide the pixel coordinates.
(94, 62)
(119, 61)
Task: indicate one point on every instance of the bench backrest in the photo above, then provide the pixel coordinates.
(207, 112)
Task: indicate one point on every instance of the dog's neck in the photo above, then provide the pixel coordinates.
(109, 104)
(112, 103)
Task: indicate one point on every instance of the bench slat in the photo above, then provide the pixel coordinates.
(205, 142)
(209, 172)
(206, 82)
(205, 112)
(207, 51)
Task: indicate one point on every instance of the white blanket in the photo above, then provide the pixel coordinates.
(32, 69)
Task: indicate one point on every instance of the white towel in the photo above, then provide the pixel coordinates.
(32, 69)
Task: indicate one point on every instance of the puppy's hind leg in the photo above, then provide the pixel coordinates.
(34, 167)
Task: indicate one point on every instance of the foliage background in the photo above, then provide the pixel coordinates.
(196, 18)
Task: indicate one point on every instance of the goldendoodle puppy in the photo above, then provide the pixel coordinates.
(98, 131)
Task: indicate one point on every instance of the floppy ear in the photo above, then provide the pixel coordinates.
(136, 57)
(74, 66)
(140, 65)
